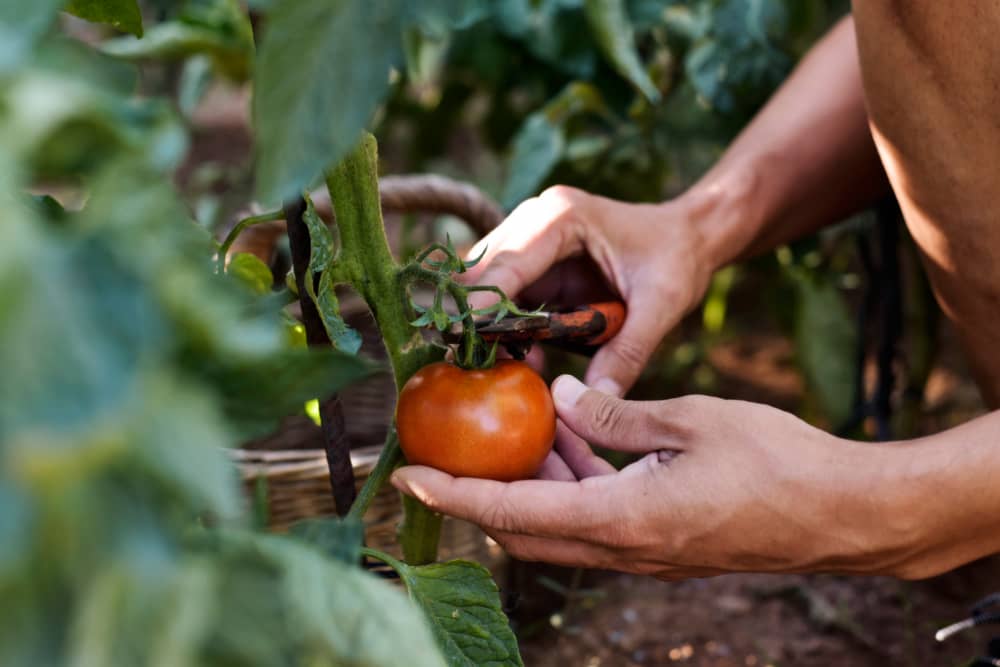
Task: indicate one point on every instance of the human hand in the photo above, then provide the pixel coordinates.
(566, 247)
(723, 486)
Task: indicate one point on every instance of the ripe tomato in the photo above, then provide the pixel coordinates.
(496, 423)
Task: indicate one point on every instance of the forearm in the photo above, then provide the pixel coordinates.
(944, 497)
(805, 161)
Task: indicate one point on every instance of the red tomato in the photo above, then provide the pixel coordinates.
(496, 423)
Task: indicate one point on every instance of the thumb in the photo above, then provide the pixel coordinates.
(627, 426)
(618, 363)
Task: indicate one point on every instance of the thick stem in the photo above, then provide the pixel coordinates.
(369, 266)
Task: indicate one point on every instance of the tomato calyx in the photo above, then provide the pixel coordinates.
(472, 352)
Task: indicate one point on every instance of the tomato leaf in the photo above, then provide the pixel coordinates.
(122, 15)
(538, 147)
(613, 31)
(339, 539)
(342, 336)
(462, 604)
(249, 270)
(314, 56)
(22, 23)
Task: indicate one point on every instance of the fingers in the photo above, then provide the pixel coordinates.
(568, 553)
(554, 468)
(537, 507)
(618, 363)
(578, 456)
(628, 426)
(539, 233)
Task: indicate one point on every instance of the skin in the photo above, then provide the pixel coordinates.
(904, 99)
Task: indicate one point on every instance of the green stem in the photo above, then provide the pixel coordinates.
(390, 457)
(367, 263)
(271, 216)
(419, 532)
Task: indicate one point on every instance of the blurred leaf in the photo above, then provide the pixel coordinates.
(313, 58)
(22, 23)
(249, 270)
(825, 343)
(424, 56)
(438, 17)
(554, 31)
(339, 539)
(541, 142)
(258, 392)
(196, 77)
(537, 149)
(284, 603)
(462, 604)
(65, 127)
(122, 15)
(736, 66)
(176, 40)
(616, 38)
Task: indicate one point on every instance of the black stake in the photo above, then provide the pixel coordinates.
(338, 449)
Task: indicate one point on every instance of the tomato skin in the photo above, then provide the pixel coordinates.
(496, 423)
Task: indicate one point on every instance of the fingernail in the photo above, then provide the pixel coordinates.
(566, 390)
(608, 386)
(398, 480)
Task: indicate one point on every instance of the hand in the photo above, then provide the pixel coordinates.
(724, 486)
(567, 247)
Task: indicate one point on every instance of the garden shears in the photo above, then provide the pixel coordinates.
(583, 329)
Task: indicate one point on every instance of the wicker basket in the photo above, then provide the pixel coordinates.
(291, 460)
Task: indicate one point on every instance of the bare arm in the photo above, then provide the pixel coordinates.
(805, 161)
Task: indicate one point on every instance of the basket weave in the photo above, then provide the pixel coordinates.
(289, 460)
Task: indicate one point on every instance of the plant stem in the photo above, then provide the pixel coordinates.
(390, 457)
(368, 265)
(271, 216)
(335, 442)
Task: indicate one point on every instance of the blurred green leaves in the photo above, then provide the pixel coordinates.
(124, 15)
(323, 67)
(217, 29)
(129, 365)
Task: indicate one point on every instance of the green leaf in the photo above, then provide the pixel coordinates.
(554, 31)
(249, 270)
(122, 15)
(283, 602)
(175, 40)
(340, 539)
(462, 604)
(343, 337)
(438, 17)
(257, 392)
(322, 69)
(537, 149)
(613, 31)
(825, 342)
(22, 23)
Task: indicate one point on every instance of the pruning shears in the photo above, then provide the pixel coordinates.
(581, 330)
